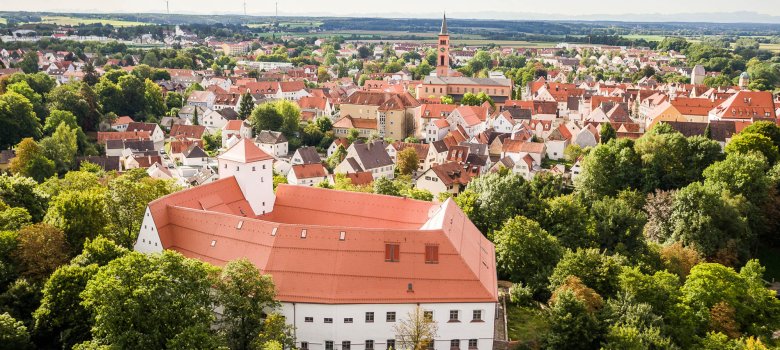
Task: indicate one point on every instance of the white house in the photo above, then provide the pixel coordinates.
(236, 127)
(195, 156)
(273, 143)
(306, 155)
(307, 174)
(371, 157)
(350, 269)
(448, 177)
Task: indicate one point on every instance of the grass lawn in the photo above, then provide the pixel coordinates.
(525, 324)
(67, 20)
(770, 258)
(3, 20)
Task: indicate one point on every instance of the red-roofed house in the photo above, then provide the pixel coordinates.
(307, 174)
(362, 260)
(745, 105)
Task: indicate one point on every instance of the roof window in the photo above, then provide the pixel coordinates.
(213, 242)
(342, 236)
(303, 233)
(240, 225)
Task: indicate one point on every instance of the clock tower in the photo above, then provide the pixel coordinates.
(443, 52)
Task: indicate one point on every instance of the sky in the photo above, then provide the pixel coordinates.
(500, 9)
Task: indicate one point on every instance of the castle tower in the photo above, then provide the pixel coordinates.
(443, 60)
(253, 170)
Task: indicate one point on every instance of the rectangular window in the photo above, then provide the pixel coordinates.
(390, 316)
(476, 315)
(369, 317)
(328, 320)
(454, 316)
(431, 254)
(348, 320)
(308, 319)
(454, 344)
(369, 345)
(345, 345)
(392, 252)
(328, 345)
(472, 344)
(391, 344)
(304, 345)
(428, 315)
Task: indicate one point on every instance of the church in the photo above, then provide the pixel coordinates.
(347, 266)
(446, 81)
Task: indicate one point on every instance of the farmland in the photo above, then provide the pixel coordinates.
(68, 20)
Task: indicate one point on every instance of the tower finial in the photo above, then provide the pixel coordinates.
(444, 25)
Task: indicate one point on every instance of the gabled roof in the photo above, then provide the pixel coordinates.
(307, 171)
(451, 173)
(195, 151)
(187, 131)
(322, 267)
(746, 105)
(360, 178)
(245, 151)
(309, 155)
(270, 137)
(372, 155)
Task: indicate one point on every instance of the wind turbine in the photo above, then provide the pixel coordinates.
(167, 6)
(244, 7)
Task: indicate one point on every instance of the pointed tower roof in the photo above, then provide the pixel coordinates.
(444, 25)
(245, 151)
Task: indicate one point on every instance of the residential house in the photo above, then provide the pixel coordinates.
(307, 174)
(273, 143)
(371, 157)
(449, 177)
(306, 155)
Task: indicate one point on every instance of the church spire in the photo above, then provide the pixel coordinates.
(444, 25)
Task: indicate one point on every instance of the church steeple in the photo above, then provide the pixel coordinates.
(443, 61)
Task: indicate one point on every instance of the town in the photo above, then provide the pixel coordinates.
(190, 186)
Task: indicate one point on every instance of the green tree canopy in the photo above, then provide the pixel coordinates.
(526, 253)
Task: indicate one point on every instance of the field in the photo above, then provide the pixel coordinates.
(3, 20)
(66, 20)
(771, 47)
(296, 24)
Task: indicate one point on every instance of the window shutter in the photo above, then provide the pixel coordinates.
(388, 254)
(396, 253)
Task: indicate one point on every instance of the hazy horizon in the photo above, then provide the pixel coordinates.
(725, 10)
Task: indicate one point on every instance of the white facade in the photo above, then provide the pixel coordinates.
(255, 180)
(317, 332)
(275, 149)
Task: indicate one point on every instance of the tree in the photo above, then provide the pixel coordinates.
(703, 219)
(243, 292)
(30, 161)
(608, 169)
(152, 302)
(90, 74)
(110, 96)
(386, 187)
(246, 106)
(150, 59)
(566, 218)
(755, 312)
(703, 152)
(447, 100)
(607, 133)
(664, 153)
(61, 319)
(41, 249)
(61, 147)
(17, 119)
(13, 218)
(174, 100)
(23, 88)
(571, 324)
(740, 173)
(277, 332)
(133, 95)
(79, 99)
(595, 269)
(408, 161)
(153, 99)
(80, 214)
(13, 334)
(485, 193)
(29, 64)
(128, 196)
(753, 142)
(526, 253)
(324, 124)
(617, 226)
(417, 331)
(291, 117)
(20, 191)
(312, 135)
(765, 128)
(266, 117)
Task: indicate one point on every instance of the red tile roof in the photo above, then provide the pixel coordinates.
(747, 105)
(203, 223)
(245, 151)
(124, 135)
(306, 171)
